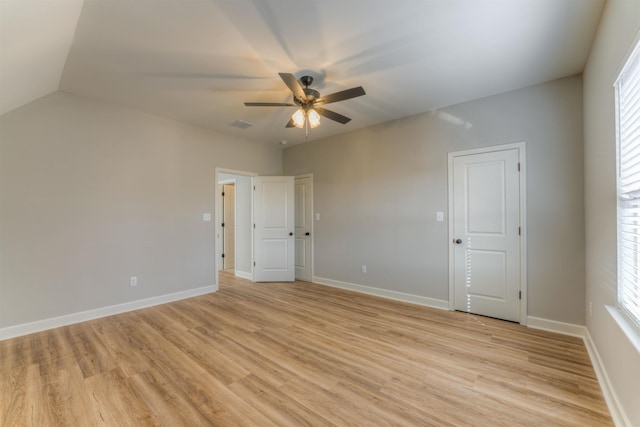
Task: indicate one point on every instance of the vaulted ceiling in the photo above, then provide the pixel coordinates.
(197, 61)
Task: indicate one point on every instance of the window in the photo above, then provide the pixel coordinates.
(628, 145)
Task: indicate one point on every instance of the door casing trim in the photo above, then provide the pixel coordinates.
(521, 147)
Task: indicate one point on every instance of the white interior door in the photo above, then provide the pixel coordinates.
(486, 234)
(274, 226)
(303, 233)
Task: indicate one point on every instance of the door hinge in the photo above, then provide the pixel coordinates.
(223, 224)
(254, 226)
(254, 263)
(518, 167)
(519, 231)
(254, 188)
(222, 255)
(519, 294)
(223, 194)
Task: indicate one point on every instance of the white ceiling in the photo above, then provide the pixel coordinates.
(35, 36)
(198, 60)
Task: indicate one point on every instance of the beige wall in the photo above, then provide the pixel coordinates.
(92, 194)
(619, 25)
(378, 189)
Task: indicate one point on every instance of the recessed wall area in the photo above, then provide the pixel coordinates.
(378, 191)
(93, 194)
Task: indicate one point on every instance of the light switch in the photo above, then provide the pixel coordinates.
(439, 216)
(206, 217)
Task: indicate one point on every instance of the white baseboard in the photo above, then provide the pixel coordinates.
(555, 326)
(83, 316)
(394, 295)
(244, 275)
(617, 412)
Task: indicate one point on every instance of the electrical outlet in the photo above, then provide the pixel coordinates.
(133, 281)
(364, 268)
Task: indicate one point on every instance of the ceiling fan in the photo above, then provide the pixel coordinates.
(309, 101)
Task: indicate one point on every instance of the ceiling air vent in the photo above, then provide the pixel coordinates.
(241, 124)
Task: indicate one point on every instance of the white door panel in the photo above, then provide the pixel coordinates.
(486, 234)
(300, 199)
(489, 274)
(274, 254)
(301, 252)
(274, 226)
(486, 198)
(303, 223)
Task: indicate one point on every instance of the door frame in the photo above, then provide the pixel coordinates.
(217, 251)
(521, 147)
(310, 175)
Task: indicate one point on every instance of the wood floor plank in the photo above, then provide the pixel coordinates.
(167, 403)
(116, 402)
(294, 354)
(53, 394)
(254, 362)
(564, 411)
(275, 405)
(323, 401)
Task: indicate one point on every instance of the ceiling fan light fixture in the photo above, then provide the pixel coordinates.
(298, 118)
(314, 118)
(306, 98)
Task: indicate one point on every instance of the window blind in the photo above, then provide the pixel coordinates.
(628, 137)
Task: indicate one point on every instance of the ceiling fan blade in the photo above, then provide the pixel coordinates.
(333, 115)
(269, 104)
(341, 96)
(293, 85)
(290, 124)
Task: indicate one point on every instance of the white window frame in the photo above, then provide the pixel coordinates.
(627, 91)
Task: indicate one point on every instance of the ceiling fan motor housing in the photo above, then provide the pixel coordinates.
(311, 94)
(306, 80)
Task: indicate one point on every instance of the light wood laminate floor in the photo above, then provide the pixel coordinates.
(296, 354)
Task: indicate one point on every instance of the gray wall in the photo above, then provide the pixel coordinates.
(92, 194)
(618, 27)
(378, 190)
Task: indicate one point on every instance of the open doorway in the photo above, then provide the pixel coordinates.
(239, 258)
(229, 226)
(263, 225)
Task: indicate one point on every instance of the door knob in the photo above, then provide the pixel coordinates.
(307, 233)
(290, 234)
(457, 241)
